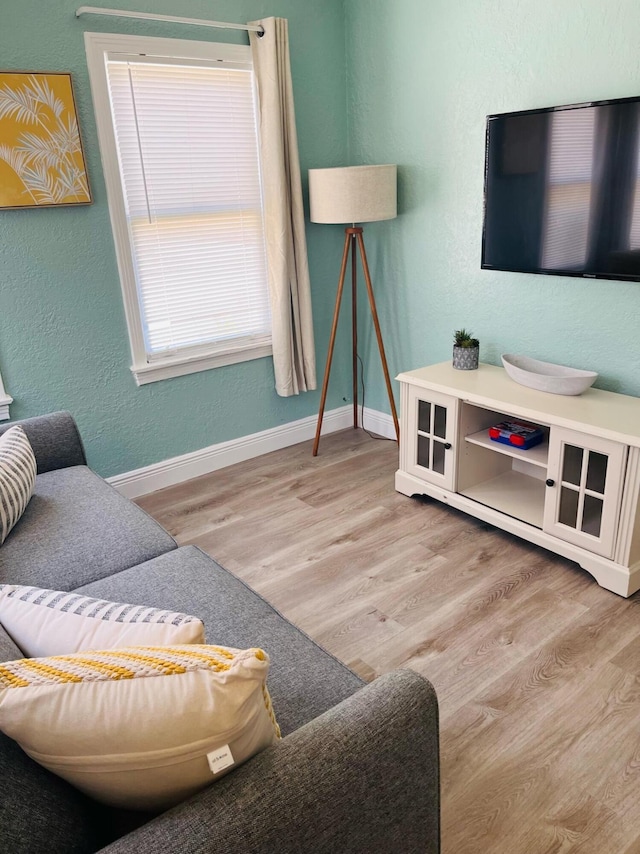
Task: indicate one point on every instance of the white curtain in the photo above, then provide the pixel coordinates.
(292, 332)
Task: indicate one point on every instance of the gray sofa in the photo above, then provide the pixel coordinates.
(357, 768)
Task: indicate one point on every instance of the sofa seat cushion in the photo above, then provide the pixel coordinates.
(39, 812)
(77, 529)
(304, 680)
(8, 648)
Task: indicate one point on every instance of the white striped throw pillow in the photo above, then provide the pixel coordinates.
(17, 477)
(53, 622)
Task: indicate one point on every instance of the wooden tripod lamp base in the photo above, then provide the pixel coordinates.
(351, 194)
(353, 241)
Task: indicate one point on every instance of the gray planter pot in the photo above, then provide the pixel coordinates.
(465, 358)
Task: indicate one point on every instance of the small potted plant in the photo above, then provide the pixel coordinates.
(466, 350)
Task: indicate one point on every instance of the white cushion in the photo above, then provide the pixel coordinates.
(50, 622)
(17, 477)
(138, 727)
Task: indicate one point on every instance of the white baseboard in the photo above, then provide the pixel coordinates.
(379, 423)
(142, 481)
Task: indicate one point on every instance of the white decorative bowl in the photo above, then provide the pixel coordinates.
(544, 376)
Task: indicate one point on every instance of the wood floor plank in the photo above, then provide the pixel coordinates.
(464, 654)
(633, 847)
(541, 756)
(331, 596)
(549, 681)
(536, 667)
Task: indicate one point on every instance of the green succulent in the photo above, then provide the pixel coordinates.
(462, 338)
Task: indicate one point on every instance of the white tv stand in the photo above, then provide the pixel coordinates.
(577, 494)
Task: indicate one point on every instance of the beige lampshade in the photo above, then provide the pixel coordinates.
(353, 194)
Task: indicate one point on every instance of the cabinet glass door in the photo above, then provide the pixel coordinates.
(429, 441)
(584, 489)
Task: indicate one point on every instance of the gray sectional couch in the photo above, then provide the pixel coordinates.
(357, 768)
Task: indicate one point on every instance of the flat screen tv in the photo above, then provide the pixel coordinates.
(562, 191)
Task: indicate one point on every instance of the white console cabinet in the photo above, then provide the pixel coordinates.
(576, 494)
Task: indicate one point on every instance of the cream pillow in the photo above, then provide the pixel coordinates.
(143, 727)
(50, 622)
(17, 477)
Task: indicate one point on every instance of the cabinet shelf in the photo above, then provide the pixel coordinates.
(537, 456)
(512, 493)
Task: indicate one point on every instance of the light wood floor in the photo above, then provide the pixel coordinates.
(536, 667)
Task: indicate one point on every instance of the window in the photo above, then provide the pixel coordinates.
(177, 123)
(634, 228)
(569, 190)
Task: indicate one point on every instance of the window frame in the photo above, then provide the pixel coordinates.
(97, 46)
(5, 402)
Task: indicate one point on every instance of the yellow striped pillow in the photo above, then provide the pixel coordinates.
(17, 477)
(140, 727)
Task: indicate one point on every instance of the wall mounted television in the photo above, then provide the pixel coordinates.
(562, 191)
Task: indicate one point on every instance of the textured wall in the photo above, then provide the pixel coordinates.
(63, 339)
(421, 79)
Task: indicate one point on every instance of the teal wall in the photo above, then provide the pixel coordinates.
(406, 82)
(63, 339)
(421, 79)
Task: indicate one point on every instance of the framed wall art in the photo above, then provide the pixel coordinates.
(42, 162)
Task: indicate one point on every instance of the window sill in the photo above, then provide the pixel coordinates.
(5, 401)
(181, 365)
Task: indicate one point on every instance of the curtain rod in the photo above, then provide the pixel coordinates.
(148, 16)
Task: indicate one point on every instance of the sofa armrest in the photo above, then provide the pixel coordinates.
(364, 776)
(55, 440)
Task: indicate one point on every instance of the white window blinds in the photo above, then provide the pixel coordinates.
(187, 144)
(568, 204)
(634, 228)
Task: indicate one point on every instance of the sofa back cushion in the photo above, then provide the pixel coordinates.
(54, 438)
(78, 529)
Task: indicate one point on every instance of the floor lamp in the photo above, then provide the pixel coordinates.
(353, 194)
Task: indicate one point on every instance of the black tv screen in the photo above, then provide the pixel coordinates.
(562, 191)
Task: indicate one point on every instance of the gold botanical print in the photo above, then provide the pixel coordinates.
(41, 157)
